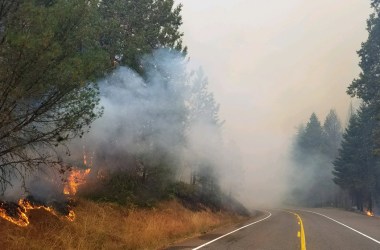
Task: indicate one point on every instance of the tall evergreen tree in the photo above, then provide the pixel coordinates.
(296, 150)
(137, 27)
(311, 141)
(315, 147)
(367, 88)
(202, 104)
(356, 164)
(332, 131)
(203, 113)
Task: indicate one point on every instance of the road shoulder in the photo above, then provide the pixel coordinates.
(218, 232)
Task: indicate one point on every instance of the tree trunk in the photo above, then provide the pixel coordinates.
(143, 179)
(359, 202)
(370, 203)
(193, 178)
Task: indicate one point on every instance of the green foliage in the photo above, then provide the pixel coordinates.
(155, 184)
(138, 27)
(52, 52)
(311, 139)
(356, 168)
(367, 86)
(296, 152)
(359, 172)
(348, 155)
(119, 188)
(49, 56)
(332, 129)
(314, 149)
(126, 188)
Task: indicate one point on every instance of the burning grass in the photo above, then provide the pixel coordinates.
(17, 213)
(108, 226)
(369, 213)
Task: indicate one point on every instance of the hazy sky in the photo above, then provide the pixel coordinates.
(271, 64)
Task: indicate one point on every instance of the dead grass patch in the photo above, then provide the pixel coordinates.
(108, 226)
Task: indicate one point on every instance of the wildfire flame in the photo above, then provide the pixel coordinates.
(369, 213)
(17, 212)
(14, 213)
(76, 178)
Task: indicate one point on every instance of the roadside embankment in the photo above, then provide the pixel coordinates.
(111, 226)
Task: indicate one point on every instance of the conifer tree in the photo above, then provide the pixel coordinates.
(311, 141)
(332, 131)
(356, 165)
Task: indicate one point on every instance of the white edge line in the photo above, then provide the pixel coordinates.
(207, 243)
(340, 223)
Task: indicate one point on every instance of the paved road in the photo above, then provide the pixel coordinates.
(312, 229)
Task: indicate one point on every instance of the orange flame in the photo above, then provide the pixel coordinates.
(19, 218)
(17, 214)
(76, 178)
(71, 216)
(369, 213)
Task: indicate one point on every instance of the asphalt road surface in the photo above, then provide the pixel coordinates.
(295, 229)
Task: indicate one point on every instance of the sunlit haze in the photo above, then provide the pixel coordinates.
(270, 65)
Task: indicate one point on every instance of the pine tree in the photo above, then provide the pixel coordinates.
(311, 141)
(138, 27)
(315, 147)
(332, 131)
(50, 57)
(297, 155)
(367, 88)
(203, 113)
(356, 164)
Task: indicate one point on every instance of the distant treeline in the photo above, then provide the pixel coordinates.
(314, 149)
(356, 165)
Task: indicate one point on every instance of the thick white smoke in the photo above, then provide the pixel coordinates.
(166, 117)
(168, 114)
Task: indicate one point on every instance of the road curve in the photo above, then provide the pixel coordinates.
(322, 228)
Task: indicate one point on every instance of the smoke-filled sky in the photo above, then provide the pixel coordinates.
(270, 65)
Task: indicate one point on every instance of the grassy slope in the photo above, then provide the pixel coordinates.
(107, 226)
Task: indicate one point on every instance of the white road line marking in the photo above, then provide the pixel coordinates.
(340, 223)
(207, 243)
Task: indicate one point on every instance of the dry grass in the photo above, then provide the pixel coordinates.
(107, 226)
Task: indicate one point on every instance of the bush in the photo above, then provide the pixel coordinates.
(126, 188)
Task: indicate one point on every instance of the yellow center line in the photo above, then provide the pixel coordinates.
(301, 233)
